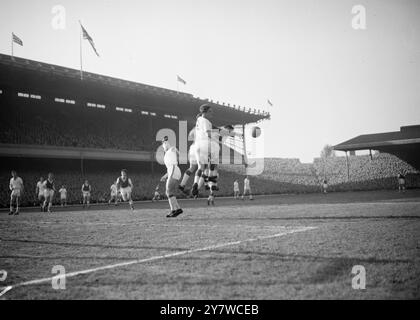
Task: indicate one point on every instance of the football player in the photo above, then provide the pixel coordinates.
(172, 177)
(114, 193)
(16, 190)
(125, 187)
(236, 189)
(63, 195)
(86, 191)
(49, 190)
(39, 191)
(192, 161)
(247, 189)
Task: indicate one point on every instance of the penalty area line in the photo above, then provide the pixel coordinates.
(154, 258)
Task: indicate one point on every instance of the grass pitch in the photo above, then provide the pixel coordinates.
(275, 247)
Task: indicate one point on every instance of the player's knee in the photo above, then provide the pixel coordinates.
(199, 172)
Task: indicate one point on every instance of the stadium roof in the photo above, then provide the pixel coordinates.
(21, 72)
(406, 135)
(405, 143)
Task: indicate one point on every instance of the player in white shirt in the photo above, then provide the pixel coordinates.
(39, 191)
(114, 194)
(63, 195)
(16, 190)
(172, 177)
(236, 189)
(207, 139)
(86, 192)
(192, 161)
(324, 186)
(125, 187)
(247, 189)
(206, 151)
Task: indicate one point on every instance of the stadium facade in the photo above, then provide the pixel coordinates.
(42, 90)
(52, 120)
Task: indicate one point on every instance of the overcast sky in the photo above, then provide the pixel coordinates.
(328, 81)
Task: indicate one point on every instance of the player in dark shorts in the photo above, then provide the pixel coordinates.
(401, 183)
(49, 190)
(86, 190)
(125, 186)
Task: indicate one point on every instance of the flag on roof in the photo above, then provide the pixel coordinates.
(89, 38)
(181, 80)
(17, 40)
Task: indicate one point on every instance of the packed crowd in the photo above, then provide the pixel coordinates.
(365, 173)
(61, 126)
(279, 176)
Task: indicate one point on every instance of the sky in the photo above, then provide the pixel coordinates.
(328, 81)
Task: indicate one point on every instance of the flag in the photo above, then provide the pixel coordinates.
(89, 38)
(181, 80)
(269, 102)
(17, 40)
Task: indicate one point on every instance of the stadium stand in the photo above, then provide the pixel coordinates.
(405, 144)
(41, 124)
(279, 176)
(50, 120)
(380, 172)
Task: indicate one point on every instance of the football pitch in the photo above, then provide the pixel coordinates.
(274, 247)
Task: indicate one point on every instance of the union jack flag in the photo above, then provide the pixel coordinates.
(89, 38)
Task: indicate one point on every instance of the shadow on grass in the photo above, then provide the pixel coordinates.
(92, 245)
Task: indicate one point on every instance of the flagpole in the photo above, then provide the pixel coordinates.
(12, 44)
(81, 59)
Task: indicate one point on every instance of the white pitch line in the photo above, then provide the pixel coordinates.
(170, 255)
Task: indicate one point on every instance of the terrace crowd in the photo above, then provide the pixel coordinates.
(279, 176)
(61, 126)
